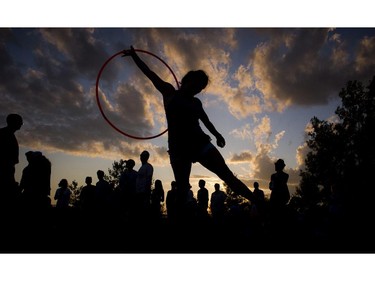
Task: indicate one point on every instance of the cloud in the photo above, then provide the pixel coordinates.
(261, 162)
(262, 131)
(245, 156)
(76, 47)
(208, 49)
(301, 154)
(308, 66)
(242, 133)
(365, 57)
(48, 75)
(54, 92)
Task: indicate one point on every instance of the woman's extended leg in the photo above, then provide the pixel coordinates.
(214, 161)
(181, 170)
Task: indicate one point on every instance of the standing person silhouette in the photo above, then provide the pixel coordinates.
(187, 142)
(157, 198)
(202, 198)
(259, 197)
(127, 185)
(258, 207)
(279, 194)
(143, 184)
(35, 181)
(217, 206)
(9, 158)
(87, 195)
(279, 187)
(170, 201)
(62, 195)
(103, 191)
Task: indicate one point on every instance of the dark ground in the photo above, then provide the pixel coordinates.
(74, 231)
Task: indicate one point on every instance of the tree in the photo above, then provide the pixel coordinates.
(342, 156)
(237, 206)
(75, 193)
(114, 174)
(233, 199)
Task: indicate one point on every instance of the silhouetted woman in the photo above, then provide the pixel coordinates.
(186, 140)
(157, 198)
(62, 195)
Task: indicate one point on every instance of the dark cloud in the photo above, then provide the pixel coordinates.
(308, 66)
(189, 48)
(49, 77)
(242, 157)
(54, 91)
(83, 53)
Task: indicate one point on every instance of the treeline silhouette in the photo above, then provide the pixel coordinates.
(331, 212)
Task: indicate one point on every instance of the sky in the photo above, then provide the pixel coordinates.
(265, 86)
(268, 79)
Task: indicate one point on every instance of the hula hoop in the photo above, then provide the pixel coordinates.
(100, 106)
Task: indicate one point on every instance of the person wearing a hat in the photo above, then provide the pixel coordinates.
(279, 188)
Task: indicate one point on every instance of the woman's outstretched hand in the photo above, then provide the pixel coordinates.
(129, 52)
(220, 141)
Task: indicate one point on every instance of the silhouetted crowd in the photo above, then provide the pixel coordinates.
(137, 215)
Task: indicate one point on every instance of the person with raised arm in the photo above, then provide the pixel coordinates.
(187, 142)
